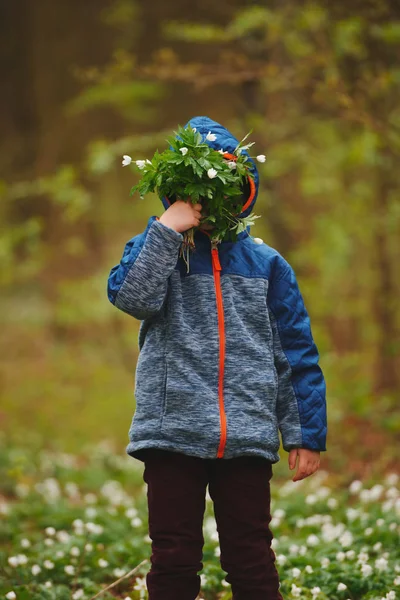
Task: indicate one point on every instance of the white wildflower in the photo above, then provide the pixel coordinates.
(25, 543)
(35, 569)
(232, 165)
(11, 595)
(296, 572)
(102, 563)
(77, 595)
(49, 542)
(332, 503)
(183, 150)
(341, 587)
(48, 564)
(308, 569)
(136, 522)
(311, 499)
(281, 559)
(89, 547)
(212, 173)
(315, 591)
(140, 584)
(119, 573)
(392, 478)
(48, 584)
(325, 562)
(126, 160)
(50, 531)
(397, 580)
(355, 486)
(381, 564)
(391, 595)
(296, 591)
(261, 158)
(75, 551)
(211, 137)
(368, 531)
(60, 554)
(341, 556)
(313, 540)
(350, 554)
(22, 559)
(69, 569)
(13, 561)
(141, 164)
(366, 569)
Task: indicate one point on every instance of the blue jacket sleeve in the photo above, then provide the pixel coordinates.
(138, 284)
(301, 400)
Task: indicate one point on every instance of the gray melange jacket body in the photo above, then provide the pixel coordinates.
(226, 354)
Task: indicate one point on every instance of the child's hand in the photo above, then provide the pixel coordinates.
(182, 215)
(309, 461)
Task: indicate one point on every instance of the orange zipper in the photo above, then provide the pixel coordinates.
(221, 329)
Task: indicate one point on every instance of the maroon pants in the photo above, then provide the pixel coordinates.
(240, 490)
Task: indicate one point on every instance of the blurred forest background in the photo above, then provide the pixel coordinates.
(84, 83)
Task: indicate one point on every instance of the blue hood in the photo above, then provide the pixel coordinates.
(226, 141)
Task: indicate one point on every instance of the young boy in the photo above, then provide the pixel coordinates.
(226, 360)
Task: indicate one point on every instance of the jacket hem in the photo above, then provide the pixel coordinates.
(135, 450)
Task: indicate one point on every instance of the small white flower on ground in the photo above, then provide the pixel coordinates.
(48, 584)
(77, 595)
(309, 569)
(69, 569)
(377, 546)
(397, 580)
(341, 587)
(75, 551)
(296, 572)
(141, 164)
(13, 561)
(22, 559)
(89, 547)
(355, 486)
(148, 162)
(211, 137)
(261, 158)
(296, 591)
(102, 563)
(11, 596)
(232, 165)
(350, 554)
(131, 512)
(119, 572)
(35, 570)
(311, 499)
(49, 542)
(340, 556)
(391, 595)
(136, 522)
(313, 540)
(381, 564)
(281, 559)
(50, 531)
(325, 562)
(48, 564)
(183, 150)
(332, 503)
(203, 578)
(212, 173)
(368, 531)
(25, 543)
(315, 591)
(140, 584)
(217, 551)
(126, 160)
(366, 570)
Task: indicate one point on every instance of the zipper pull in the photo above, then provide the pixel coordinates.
(215, 256)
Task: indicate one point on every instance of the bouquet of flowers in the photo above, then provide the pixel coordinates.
(191, 170)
